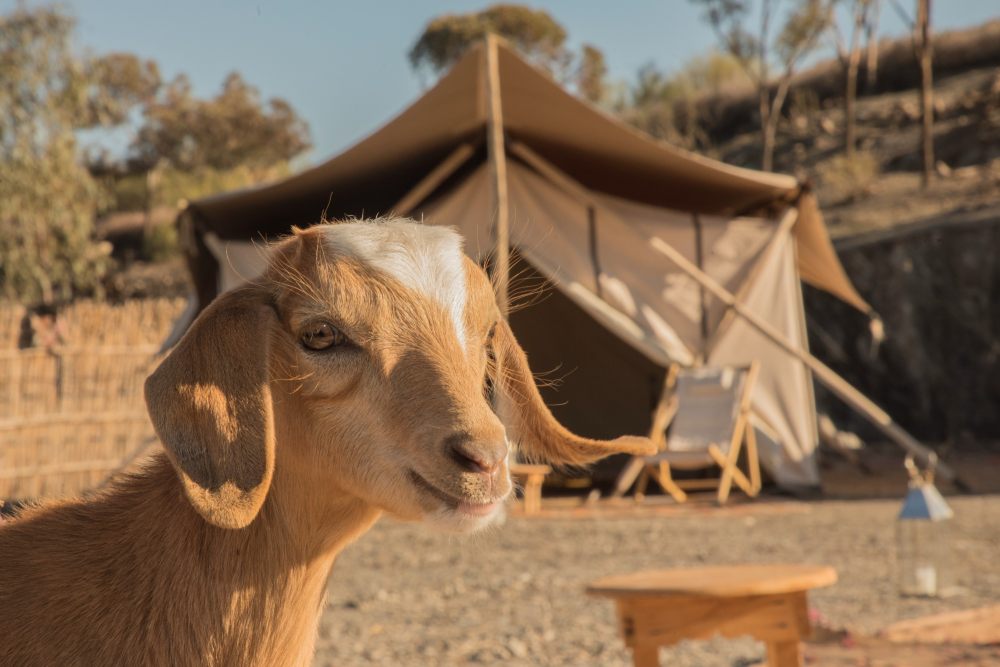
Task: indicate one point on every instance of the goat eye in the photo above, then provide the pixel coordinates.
(322, 336)
(488, 345)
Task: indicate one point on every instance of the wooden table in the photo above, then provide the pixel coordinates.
(662, 607)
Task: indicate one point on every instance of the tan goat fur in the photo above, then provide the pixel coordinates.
(278, 456)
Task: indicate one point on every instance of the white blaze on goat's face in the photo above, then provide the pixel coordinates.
(429, 260)
(399, 408)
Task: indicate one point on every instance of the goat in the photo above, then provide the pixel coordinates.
(350, 380)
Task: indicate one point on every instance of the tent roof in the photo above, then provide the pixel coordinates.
(597, 150)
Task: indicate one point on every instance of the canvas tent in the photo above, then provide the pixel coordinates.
(587, 196)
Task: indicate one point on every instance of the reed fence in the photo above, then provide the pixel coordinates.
(71, 414)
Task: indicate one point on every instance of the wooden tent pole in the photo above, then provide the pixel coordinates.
(551, 172)
(498, 169)
(838, 385)
(432, 180)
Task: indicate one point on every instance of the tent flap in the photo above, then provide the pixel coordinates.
(818, 262)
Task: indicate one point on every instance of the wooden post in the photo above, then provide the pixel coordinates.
(838, 385)
(498, 168)
(925, 54)
(435, 178)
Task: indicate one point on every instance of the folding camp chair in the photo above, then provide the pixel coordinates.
(710, 413)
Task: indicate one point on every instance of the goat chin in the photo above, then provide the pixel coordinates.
(451, 520)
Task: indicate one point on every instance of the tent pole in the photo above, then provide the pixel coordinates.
(838, 385)
(542, 166)
(431, 181)
(498, 168)
(595, 258)
(699, 253)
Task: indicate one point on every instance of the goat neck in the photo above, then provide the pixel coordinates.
(196, 593)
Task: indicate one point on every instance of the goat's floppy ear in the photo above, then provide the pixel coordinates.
(210, 403)
(529, 421)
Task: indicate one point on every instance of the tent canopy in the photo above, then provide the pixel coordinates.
(618, 312)
(600, 152)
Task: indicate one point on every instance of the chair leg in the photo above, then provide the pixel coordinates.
(729, 470)
(628, 475)
(753, 460)
(668, 484)
(738, 477)
(533, 493)
(640, 485)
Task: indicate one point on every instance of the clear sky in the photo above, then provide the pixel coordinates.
(343, 64)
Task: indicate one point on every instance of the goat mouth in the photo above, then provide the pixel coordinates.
(453, 503)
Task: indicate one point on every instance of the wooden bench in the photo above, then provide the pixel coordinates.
(533, 476)
(662, 607)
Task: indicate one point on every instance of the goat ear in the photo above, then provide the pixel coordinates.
(210, 403)
(529, 421)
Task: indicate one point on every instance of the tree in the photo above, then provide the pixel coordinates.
(591, 74)
(871, 46)
(117, 84)
(849, 55)
(925, 54)
(666, 105)
(47, 198)
(533, 32)
(923, 50)
(231, 130)
(650, 103)
(764, 51)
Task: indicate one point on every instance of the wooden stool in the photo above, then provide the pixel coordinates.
(533, 476)
(662, 607)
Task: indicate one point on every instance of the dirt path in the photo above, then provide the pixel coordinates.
(406, 596)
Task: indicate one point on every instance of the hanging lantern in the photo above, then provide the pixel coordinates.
(923, 539)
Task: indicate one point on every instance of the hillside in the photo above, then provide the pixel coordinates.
(924, 259)
(881, 188)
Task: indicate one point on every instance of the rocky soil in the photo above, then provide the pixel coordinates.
(404, 595)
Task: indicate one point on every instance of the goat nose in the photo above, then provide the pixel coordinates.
(475, 456)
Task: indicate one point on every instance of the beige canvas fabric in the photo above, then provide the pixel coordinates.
(782, 398)
(641, 296)
(239, 261)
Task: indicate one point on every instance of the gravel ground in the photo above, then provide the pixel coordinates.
(404, 595)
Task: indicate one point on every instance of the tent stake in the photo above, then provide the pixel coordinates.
(838, 385)
(498, 167)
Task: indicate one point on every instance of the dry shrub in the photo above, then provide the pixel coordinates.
(848, 178)
(160, 243)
